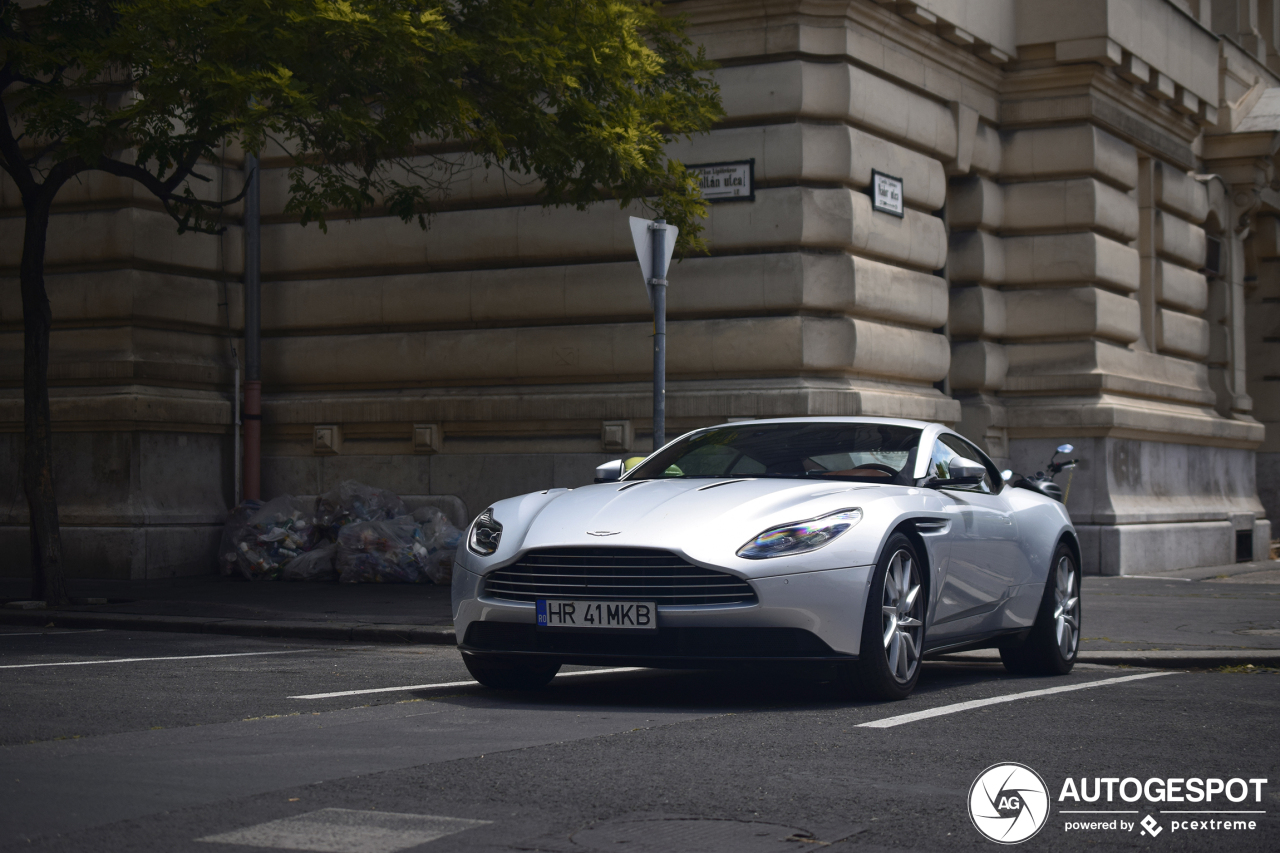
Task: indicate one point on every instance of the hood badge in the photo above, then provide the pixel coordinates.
(603, 532)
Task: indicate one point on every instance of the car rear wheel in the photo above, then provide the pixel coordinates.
(893, 626)
(1054, 641)
(510, 673)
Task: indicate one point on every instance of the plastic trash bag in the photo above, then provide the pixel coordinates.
(390, 551)
(232, 531)
(354, 502)
(281, 530)
(441, 539)
(315, 565)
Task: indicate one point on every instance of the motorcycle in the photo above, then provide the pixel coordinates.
(1044, 484)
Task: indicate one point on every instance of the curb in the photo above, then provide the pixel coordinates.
(366, 632)
(1155, 658)
(360, 632)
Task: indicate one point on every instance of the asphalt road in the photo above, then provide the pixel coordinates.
(111, 741)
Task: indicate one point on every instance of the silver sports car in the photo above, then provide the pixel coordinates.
(858, 544)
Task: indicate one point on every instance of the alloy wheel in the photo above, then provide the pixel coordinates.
(902, 609)
(1066, 607)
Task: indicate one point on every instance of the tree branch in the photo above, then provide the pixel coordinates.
(11, 156)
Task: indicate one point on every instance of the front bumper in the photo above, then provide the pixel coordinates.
(808, 616)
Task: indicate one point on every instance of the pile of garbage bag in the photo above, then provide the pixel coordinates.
(353, 534)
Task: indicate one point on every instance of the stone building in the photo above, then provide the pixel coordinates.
(1089, 252)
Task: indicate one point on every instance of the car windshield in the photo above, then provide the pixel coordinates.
(876, 453)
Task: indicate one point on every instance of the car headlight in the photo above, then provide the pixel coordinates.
(485, 534)
(801, 536)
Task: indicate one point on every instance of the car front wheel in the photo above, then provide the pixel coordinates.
(893, 626)
(510, 673)
(1054, 641)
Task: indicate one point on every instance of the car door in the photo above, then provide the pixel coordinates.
(985, 560)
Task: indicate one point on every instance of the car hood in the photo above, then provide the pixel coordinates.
(705, 520)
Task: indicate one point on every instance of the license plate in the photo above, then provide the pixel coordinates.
(557, 613)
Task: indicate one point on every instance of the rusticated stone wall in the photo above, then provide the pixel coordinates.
(1068, 170)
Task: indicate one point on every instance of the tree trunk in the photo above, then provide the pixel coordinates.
(47, 581)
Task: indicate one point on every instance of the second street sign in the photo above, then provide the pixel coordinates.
(726, 181)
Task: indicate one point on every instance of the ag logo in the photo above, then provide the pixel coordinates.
(1008, 803)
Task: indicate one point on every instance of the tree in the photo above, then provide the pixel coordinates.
(378, 102)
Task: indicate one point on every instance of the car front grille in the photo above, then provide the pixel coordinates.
(615, 574)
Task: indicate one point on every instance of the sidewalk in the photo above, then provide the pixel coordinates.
(393, 613)
(1218, 616)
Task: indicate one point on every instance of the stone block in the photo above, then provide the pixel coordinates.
(1070, 205)
(427, 438)
(326, 439)
(1056, 152)
(1052, 258)
(1182, 334)
(1102, 50)
(1161, 87)
(128, 235)
(784, 217)
(1179, 240)
(606, 352)
(779, 282)
(1181, 288)
(125, 353)
(1071, 312)
(862, 287)
(404, 474)
(158, 298)
(482, 479)
(1180, 194)
(835, 91)
(1185, 101)
(976, 256)
(1138, 549)
(975, 202)
(1134, 69)
(918, 14)
(115, 553)
(978, 366)
(616, 436)
(976, 312)
(988, 150)
(832, 219)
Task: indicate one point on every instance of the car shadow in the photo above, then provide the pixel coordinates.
(718, 691)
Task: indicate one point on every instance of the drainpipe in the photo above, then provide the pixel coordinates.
(252, 332)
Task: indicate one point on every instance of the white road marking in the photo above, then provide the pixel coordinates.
(1156, 578)
(347, 831)
(448, 684)
(53, 633)
(144, 660)
(888, 722)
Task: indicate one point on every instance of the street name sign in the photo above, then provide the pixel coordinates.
(886, 194)
(726, 181)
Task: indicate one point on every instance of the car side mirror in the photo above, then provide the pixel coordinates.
(609, 472)
(963, 469)
(964, 472)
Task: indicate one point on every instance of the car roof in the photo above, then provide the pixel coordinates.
(906, 422)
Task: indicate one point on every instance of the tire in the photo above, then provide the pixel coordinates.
(1053, 643)
(892, 626)
(503, 673)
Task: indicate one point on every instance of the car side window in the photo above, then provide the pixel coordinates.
(948, 448)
